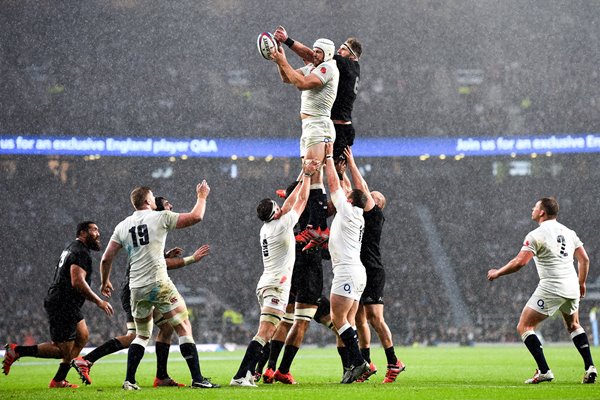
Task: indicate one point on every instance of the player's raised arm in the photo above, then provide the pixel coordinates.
(357, 178)
(305, 52)
(292, 76)
(333, 180)
(179, 262)
(197, 213)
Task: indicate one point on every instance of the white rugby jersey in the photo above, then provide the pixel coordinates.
(318, 101)
(278, 247)
(553, 246)
(346, 232)
(143, 235)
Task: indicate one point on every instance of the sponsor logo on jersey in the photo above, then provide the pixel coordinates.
(274, 300)
(173, 300)
(323, 70)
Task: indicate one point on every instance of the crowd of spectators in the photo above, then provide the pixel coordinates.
(481, 222)
(187, 70)
(191, 69)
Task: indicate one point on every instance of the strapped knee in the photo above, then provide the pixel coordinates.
(130, 328)
(178, 318)
(288, 318)
(144, 328)
(272, 318)
(305, 314)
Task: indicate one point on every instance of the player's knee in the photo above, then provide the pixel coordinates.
(270, 318)
(131, 330)
(142, 341)
(305, 314)
(143, 328)
(178, 318)
(288, 318)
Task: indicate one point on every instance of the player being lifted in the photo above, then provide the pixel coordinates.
(318, 81)
(346, 61)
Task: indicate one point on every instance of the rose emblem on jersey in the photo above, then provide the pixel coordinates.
(323, 70)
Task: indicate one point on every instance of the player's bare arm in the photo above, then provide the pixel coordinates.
(293, 76)
(304, 191)
(111, 251)
(332, 179)
(174, 252)
(304, 52)
(78, 281)
(179, 262)
(512, 266)
(357, 179)
(583, 267)
(197, 213)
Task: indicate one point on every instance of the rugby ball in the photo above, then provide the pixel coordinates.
(266, 44)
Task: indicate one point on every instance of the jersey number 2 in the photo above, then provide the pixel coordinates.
(563, 245)
(139, 235)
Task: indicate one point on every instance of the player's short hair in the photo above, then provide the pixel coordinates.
(265, 210)
(160, 206)
(354, 45)
(375, 194)
(138, 196)
(358, 197)
(84, 227)
(550, 206)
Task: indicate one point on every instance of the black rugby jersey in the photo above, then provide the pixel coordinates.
(369, 251)
(61, 292)
(347, 88)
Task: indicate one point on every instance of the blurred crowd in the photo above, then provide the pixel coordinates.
(480, 221)
(429, 67)
(191, 69)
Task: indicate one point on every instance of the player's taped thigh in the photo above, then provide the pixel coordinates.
(268, 317)
(130, 328)
(142, 342)
(143, 328)
(178, 318)
(288, 318)
(305, 314)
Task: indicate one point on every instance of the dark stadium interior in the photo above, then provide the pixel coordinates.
(430, 68)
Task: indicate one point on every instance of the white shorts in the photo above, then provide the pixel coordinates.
(349, 281)
(273, 297)
(162, 296)
(546, 304)
(314, 131)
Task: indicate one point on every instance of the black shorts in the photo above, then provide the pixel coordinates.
(323, 309)
(373, 293)
(63, 322)
(307, 280)
(344, 136)
(126, 301)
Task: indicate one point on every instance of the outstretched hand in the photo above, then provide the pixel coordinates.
(201, 252)
(202, 189)
(280, 34)
(492, 274)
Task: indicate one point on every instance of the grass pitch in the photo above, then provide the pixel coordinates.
(480, 372)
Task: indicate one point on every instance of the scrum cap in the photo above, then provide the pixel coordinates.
(327, 46)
